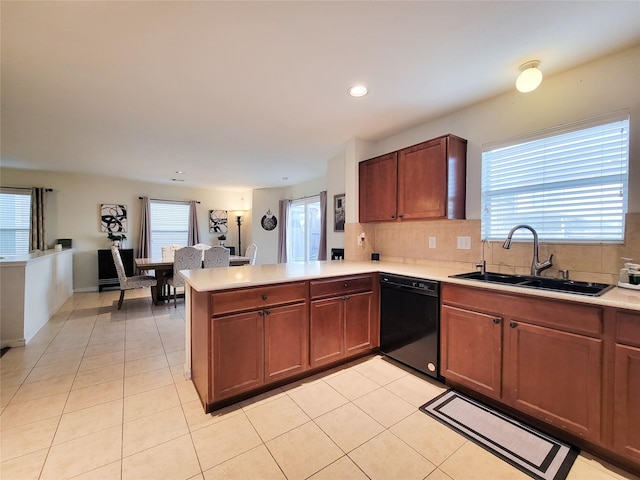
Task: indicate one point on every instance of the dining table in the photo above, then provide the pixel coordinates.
(162, 267)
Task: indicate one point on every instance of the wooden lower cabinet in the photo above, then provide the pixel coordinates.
(343, 318)
(341, 327)
(626, 385)
(256, 348)
(245, 340)
(471, 346)
(555, 376)
(238, 346)
(513, 349)
(286, 341)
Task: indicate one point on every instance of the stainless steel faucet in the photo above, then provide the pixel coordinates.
(536, 266)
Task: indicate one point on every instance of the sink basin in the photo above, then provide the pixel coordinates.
(543, 283)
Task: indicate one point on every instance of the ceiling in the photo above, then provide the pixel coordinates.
(244, 95)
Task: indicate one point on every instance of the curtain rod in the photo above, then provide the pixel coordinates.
(27, 188)
(308, 196)
(169, 201)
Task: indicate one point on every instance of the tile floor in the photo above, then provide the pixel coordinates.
(100, 394)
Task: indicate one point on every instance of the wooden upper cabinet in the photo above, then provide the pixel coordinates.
(378, 188)
(425, 181)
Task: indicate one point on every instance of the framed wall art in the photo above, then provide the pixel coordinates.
(218, 221)
(338, 213)
(113, 218)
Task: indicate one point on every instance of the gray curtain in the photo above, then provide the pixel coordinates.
(38, 232)
(194, 232)
(144, 243)
(322, 247)
(283, 212)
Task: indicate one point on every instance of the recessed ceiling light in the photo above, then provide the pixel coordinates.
(177, 179)
(358, 91)
(180, 172)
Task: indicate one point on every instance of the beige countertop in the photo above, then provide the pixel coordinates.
(24, 259)
(214, 279)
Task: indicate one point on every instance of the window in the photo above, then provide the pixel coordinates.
(169, 224)
(569, 183)
(15, 221)
(303, 229)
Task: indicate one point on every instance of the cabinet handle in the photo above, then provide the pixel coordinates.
(346, 285)
(513, 324)
(346, 297)
(496, 321)
(268, 312)
(261, 313)
(393, 216)
(401, 215)
(264, 297)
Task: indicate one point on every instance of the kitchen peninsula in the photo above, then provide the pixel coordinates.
(33, 287)
(253, 328)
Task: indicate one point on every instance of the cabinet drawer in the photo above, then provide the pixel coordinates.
(628, 328)
(257, 297)
(341, 286)
(568, 316)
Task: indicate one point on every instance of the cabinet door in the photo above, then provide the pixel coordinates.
(471, 350)
(626, 420)
(286, 341)
(377, 188)
(237, 354)
(327, 331)
(555, 376)
(422, 180)
(358, 323)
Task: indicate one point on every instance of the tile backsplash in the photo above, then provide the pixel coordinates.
(408, 242)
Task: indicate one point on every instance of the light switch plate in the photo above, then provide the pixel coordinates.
(432, 242)
(464, 243)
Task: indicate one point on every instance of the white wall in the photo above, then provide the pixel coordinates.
(606, 85)
(73, 211)
(265, 199)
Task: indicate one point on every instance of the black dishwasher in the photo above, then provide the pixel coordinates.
(410, 321)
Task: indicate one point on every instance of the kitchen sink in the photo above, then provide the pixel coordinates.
(543, 283)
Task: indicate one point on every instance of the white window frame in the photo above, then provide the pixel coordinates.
(308, 253)
(570, 183)
(169, 223)
(15, 220)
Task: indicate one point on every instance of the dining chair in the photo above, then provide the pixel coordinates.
(187, 258)
(203, 247)
(168, 251)
(217, 256)
(251, 252)
(129, 283)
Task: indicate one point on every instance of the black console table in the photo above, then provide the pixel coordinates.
(107, 274)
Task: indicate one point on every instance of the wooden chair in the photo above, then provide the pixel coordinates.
(129, 283)
(187, 258)
(217, 256)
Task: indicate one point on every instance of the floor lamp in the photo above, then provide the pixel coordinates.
(239, 221)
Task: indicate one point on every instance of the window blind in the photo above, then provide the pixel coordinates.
(169, 224)
(569, 183)
(15, 221)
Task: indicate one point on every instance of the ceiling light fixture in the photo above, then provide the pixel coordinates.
(358, 91)
(530, 77)
(180, 172)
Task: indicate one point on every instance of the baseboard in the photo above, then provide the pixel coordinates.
(16, 342)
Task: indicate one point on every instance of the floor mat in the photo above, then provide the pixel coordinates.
(532, 452)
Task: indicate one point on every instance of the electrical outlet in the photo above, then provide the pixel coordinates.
(361, 239)
(464, 243)
(432, 242)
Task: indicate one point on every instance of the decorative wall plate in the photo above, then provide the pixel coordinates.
(269, 221)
